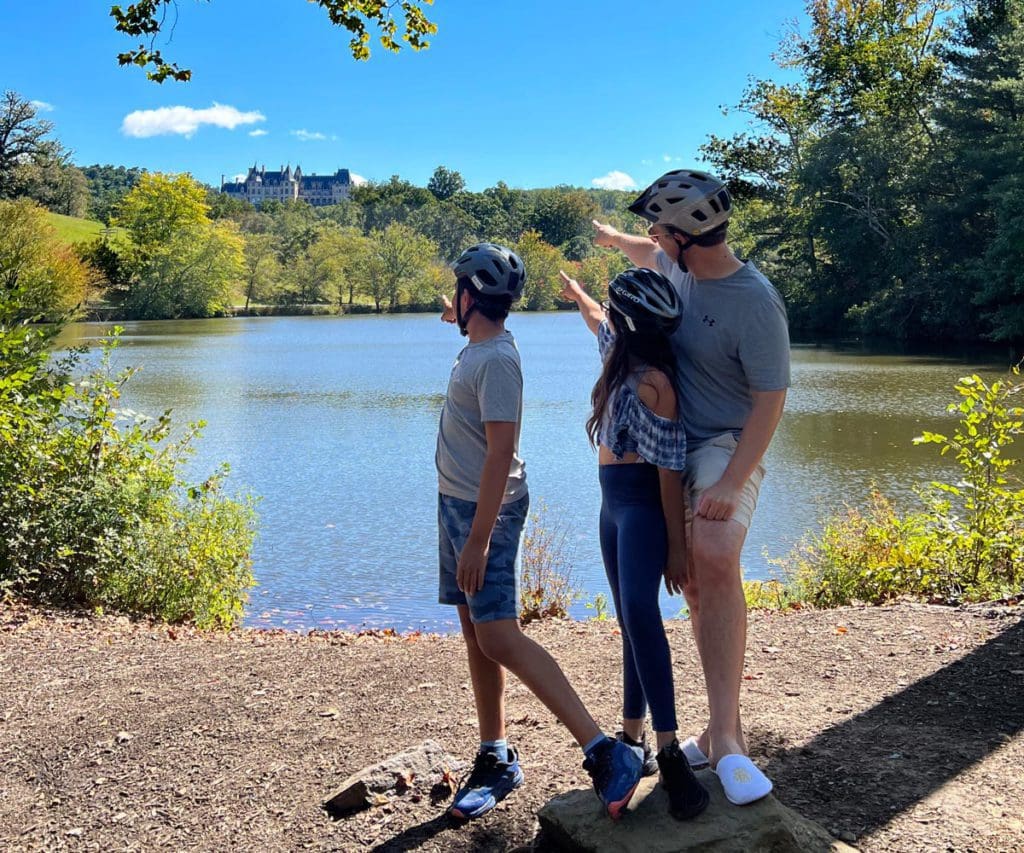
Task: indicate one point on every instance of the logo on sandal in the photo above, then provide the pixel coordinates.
(741, 775)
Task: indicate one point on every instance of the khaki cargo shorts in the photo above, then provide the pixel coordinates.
(705, 465)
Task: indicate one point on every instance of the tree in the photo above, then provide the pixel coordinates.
(397, 257)
(542, 264)
(316, 275)
(977, 231)
(107, 186)
(445, 183)
(262, 269)
(159, 206)
(193, 274)
(449, 227)
(148, 18)
(187, 264)
(562, 213)
(51, 180)
(22, 138)
(37, 265)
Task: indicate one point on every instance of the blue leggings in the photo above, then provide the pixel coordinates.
(634, 545)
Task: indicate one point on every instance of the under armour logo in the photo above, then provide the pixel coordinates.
(707, 321)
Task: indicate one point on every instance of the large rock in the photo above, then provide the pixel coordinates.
(576, 822)
(427, 767)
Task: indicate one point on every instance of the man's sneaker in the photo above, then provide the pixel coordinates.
(489, 782)
(643, 749)
(615, 769)
(687, 798)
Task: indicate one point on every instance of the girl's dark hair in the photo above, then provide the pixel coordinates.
(652, 350)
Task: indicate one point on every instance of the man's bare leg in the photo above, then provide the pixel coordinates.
(719, 614)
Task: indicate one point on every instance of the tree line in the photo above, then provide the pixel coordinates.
(882, 190)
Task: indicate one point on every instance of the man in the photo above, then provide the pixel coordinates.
(733, 352)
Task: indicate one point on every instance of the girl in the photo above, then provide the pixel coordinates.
(641, 443)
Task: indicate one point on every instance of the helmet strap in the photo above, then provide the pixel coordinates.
(460, 318)
(682, 249)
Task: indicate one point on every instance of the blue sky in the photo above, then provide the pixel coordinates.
(532, 92)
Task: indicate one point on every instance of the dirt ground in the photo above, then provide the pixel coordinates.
(896, 728)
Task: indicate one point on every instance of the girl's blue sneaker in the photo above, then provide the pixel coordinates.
(489, 782)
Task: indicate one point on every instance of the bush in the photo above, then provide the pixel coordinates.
(546, 588)
(93, 507)
(966, 544)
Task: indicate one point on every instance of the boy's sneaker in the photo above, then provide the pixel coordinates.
(687, 798)
(643, 749)
(615, 769)
(489, 782)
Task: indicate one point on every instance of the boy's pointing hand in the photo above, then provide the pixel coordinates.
(448, 315)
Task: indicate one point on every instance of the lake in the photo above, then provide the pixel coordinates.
(332, 421)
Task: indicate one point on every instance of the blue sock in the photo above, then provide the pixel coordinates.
(600, 738)
(498, 747)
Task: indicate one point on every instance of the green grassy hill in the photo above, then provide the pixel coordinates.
(75, 230)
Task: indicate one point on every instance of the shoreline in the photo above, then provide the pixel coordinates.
(899, 727)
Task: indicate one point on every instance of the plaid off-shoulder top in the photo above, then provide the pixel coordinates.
(628, 426)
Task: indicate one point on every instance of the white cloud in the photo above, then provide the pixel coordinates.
(42, 106)
(614, 180)
(666, 158)
(258, 132)
(311, 135)
(185, 121)
(357, 180)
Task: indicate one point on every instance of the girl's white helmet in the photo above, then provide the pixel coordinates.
(694, 202)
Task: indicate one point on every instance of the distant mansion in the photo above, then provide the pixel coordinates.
(285, 185)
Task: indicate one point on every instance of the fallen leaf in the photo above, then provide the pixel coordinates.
(841, 629)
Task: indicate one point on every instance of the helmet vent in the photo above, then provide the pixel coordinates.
(486, 278)
(700, 216)
(674, 199)
(715, 206)
(724, 198)
(655, 207)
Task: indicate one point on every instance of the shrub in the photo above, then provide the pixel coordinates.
(546, 588)
(94, 510)
(966, 544)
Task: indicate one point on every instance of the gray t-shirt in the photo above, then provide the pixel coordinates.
(733, 339)
(486, 385)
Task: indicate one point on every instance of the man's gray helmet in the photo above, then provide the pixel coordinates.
(646, 301)
(493, 270)
(694, 202)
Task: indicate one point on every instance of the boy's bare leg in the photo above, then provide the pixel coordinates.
(504, 643)
(488, 680)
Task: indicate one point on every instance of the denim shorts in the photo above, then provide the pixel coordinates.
(497, 599)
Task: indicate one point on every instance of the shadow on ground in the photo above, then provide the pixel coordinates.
(859, 774)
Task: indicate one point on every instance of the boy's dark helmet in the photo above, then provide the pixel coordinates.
(492, 270)
(646, 301)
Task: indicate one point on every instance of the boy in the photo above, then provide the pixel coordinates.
(482, 507)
